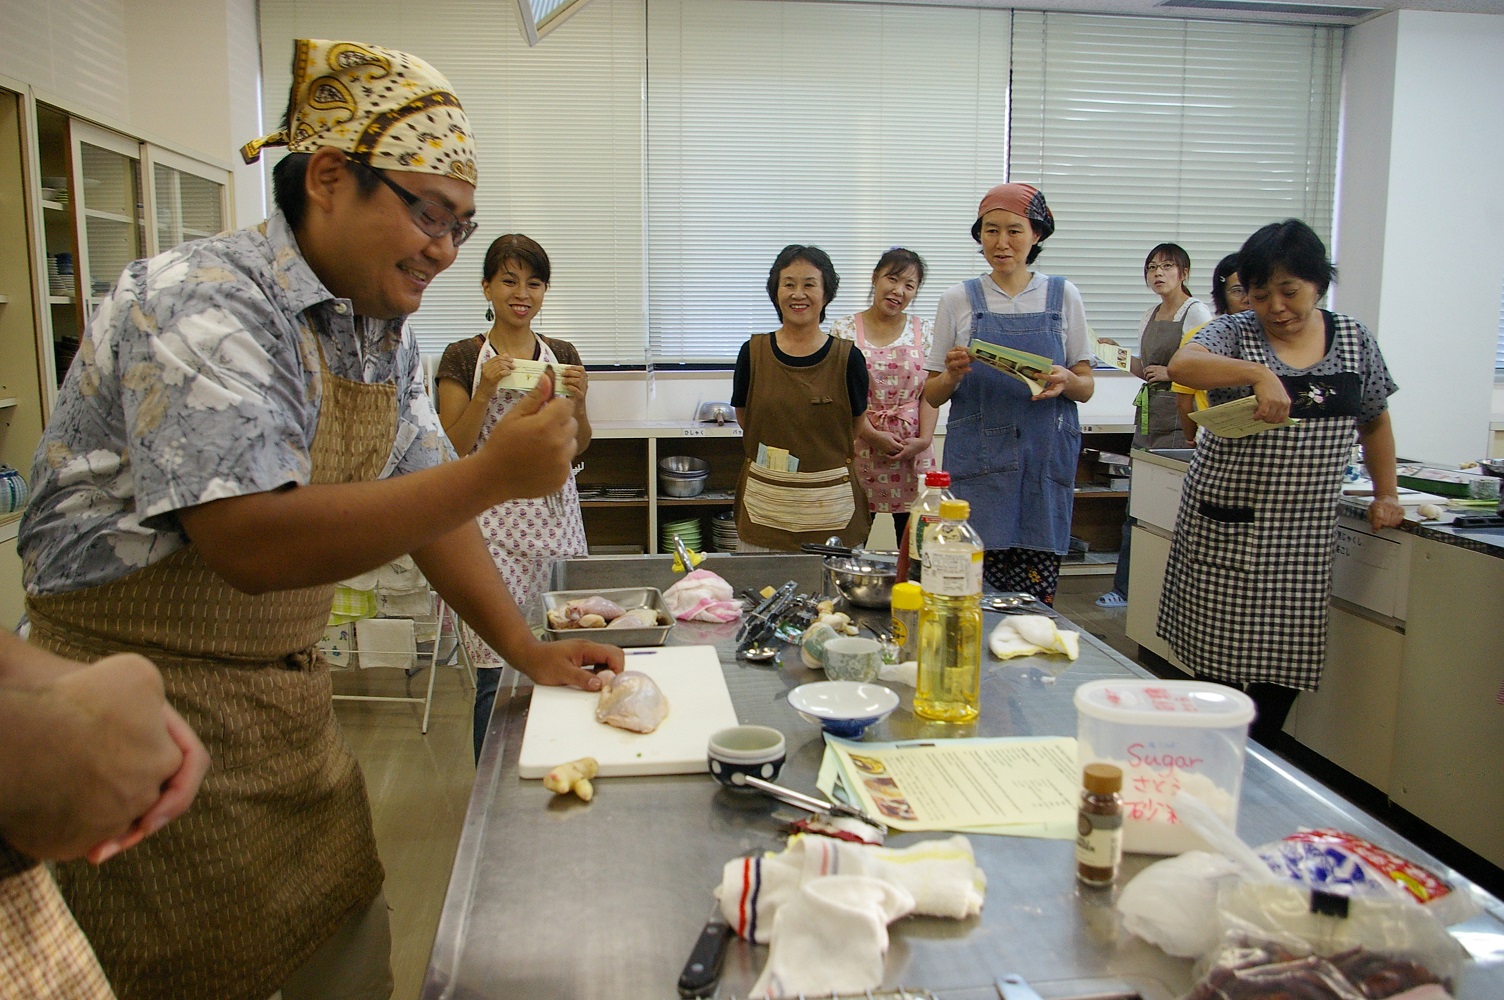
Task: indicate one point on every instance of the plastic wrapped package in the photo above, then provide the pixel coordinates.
(1257, 969)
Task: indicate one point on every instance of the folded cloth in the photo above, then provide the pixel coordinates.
(1025, 635)
(702, 596)
(831, 937)
(941, 875)
(905, 673)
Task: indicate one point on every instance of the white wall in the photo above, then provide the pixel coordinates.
(1420, 221)
(182, 75)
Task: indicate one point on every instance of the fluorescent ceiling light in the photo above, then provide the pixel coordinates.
(539, 17)
(1347, 12)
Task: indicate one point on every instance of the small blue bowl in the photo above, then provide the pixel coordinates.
(843, 708)
(738, 752)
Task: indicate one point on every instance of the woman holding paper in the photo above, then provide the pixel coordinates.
(1250, 569)
(1012, 452)
(1165, 326)
(478, 381)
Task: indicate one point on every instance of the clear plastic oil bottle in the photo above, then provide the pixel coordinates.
(950, 623)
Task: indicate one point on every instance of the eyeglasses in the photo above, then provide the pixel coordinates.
(432, 218)
(1168, 265)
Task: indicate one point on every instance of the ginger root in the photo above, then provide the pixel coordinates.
(573, 777)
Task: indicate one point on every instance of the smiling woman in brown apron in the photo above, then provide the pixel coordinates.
(245, 425)
(803, 394)
(1250, 570)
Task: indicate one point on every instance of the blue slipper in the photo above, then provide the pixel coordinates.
(1112, 599)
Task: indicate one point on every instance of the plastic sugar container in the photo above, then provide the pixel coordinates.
(1167, 737)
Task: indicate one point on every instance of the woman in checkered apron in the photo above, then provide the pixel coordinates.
(900, 424)
(1250, 569)
(524, 536)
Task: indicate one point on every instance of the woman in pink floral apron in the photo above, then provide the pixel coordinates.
(524, 536)
(895, 451)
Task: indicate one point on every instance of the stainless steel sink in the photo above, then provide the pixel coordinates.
(1178, 454)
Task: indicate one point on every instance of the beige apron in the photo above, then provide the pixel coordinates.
(807, 411)
(277, 849)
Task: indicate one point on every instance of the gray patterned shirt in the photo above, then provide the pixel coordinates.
(198, 379)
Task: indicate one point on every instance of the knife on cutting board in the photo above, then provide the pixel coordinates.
(703, 970)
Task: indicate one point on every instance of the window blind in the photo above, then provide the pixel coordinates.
(559, 136)
(853, 127)
(1144, 130)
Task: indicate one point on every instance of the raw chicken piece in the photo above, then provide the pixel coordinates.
(631, 700)
(636, 618)
(572, 615)
(607, 609)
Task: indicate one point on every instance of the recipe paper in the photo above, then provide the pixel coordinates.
(1235, 419)
(1026, 787)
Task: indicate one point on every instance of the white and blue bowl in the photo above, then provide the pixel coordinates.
(843, 708)
(735, 753)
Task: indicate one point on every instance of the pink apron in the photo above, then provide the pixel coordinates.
(524, 536)
(897, 385)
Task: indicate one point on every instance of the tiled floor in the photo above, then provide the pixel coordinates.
(420, 785)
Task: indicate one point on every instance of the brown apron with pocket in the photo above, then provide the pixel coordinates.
(278, 849)
(808, 412)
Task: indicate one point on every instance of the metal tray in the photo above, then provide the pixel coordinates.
(628, 598)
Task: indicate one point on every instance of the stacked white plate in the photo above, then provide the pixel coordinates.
(723, 536)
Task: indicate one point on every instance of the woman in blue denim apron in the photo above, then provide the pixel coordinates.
(1012, 452)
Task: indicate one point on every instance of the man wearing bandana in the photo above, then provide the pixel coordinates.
(244, 426)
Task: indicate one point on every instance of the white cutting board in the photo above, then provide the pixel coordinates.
(561, 722)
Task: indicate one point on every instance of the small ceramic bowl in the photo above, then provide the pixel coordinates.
(843, 708)
(734, 753)
(853, 658)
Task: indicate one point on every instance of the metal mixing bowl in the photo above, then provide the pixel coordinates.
(865, 582)
(682, 476)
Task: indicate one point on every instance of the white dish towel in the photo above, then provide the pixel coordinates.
(832, 936)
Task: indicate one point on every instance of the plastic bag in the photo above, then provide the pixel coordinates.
(1172, 904)
(1258, 969)
(1333, 860)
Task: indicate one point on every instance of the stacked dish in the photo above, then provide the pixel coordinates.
(687, 530)
(723, 531)
(682, 476)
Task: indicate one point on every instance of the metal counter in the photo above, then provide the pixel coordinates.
(553, 897)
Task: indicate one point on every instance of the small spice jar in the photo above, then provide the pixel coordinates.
(906, 600)
(1099, 825)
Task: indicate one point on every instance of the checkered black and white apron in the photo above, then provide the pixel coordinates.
(1250, 568)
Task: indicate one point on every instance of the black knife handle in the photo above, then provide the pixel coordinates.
(703, 970)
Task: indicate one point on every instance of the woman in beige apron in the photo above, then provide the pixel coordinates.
(800, 397)
(278, 849)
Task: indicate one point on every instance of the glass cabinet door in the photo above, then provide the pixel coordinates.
(188, 199)
(107, 193)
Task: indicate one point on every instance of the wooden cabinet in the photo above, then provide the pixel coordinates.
(625, 456)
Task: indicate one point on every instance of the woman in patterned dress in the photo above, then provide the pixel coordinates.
(524, 536)
(896, 450)
(1250, 569)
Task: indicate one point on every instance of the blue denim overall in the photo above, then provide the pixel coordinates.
(1012, 457)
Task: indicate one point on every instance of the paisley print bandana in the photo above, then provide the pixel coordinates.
(385, 108)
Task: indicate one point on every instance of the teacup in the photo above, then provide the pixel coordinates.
(739, 751)
(853, 658)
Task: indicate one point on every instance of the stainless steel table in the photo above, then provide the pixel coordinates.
(552, 897)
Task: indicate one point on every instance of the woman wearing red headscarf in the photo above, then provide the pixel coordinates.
(1010, 452)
